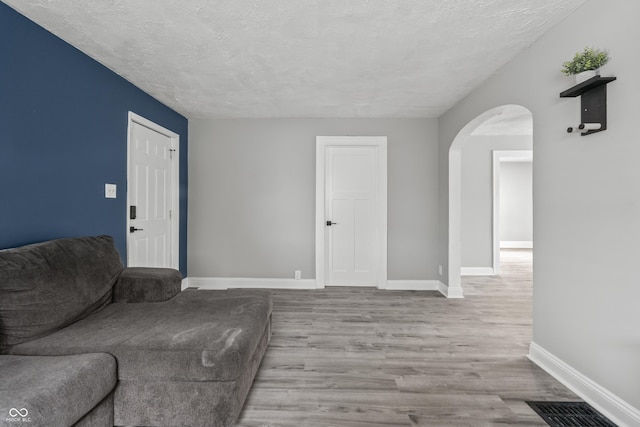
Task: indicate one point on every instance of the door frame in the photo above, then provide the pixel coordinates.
(173, 188)
(322, 143)
(500, 156)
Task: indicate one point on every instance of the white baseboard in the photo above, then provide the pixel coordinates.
(217, 283)
(450, 292)
(476, 271)
(610, 405)
(516, 244)
(413, 285)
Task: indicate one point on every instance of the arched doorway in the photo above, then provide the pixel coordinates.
(500, 119)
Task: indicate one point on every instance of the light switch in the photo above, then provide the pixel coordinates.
(110, 191)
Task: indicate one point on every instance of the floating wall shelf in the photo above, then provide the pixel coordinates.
(593, 109)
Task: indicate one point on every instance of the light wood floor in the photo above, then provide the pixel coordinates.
(364, 357)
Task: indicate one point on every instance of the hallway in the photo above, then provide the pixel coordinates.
(516, 268)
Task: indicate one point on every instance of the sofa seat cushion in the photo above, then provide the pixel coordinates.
(54, 391)
(195, 336)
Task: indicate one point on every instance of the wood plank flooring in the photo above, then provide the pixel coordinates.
(365, 357)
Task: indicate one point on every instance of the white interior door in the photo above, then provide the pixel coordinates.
(151, 198)
(351, 196)
(351, 216)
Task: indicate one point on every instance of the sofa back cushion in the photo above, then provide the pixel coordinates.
(47, 286)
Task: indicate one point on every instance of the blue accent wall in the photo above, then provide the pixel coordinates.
(63, 135)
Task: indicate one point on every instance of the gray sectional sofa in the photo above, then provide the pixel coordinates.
(86, 342)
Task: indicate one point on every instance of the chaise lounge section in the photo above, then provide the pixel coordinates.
(183, 358)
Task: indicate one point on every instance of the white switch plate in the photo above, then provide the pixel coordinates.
(110, 191)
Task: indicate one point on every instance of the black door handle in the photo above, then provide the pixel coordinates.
(132, 229)
(329, 223)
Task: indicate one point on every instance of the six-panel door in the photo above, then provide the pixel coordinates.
(149, 241)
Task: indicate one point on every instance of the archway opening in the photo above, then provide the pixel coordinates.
(499, 129)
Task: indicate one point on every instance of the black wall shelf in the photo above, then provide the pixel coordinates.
(586, 86)
(593, 108)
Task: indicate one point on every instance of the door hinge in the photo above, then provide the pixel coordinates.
(170, 214)
(171, 151)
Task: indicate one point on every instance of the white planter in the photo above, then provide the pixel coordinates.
(586, 75)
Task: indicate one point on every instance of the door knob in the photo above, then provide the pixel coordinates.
(329, 223)
(132, 229)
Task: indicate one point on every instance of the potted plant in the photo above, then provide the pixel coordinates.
(586, 64)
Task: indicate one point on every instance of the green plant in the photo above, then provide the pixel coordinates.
(589, 59)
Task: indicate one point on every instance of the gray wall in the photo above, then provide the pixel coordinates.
(586, 198)
(476, 222)
(252, 195)
(516, 201)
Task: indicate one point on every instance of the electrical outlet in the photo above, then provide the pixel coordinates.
(440, 270)
(297, 274)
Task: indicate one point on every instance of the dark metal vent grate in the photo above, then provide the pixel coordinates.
(570, 414)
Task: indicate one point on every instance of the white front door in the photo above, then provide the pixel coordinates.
(150, 198)
(354, 217)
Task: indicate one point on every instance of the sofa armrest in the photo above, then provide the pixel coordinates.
(140, 284)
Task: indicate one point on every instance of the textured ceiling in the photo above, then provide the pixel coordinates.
(301, 58)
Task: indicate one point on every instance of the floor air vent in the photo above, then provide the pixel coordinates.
(570, 414)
